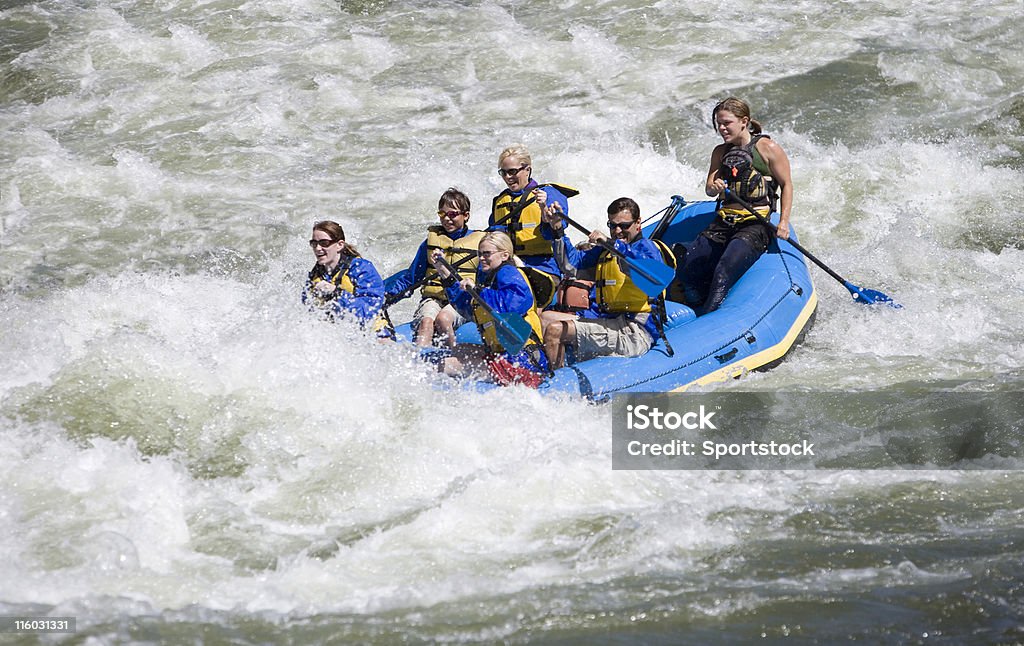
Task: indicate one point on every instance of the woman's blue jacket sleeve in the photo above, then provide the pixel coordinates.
(508, 293)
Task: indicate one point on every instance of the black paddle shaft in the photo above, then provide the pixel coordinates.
(607, 246)
(471, 290)
(796, 245)
(635, 264)
(407, 292)
(670, 215)
(860, 294)
(516, 338)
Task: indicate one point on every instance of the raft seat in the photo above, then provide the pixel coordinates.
(677, 314)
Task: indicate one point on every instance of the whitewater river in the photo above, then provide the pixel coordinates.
(187, 456)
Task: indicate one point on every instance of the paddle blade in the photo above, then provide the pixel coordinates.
(513, 331)
(870, 296)
(651, 276)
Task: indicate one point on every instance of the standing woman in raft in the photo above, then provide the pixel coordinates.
(342, 283)
(756, 169)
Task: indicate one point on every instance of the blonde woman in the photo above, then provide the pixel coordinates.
(518, 209)
(505, 288)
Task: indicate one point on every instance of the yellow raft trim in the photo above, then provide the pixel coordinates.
(753, 362)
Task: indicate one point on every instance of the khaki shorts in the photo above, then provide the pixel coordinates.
(431, 307)
(618, 337)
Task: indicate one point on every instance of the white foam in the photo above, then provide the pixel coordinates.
(180, 434)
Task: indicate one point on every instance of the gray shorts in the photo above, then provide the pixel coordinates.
(431, 307)
(618, 337)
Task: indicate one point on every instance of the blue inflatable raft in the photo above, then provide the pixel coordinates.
(764, 316)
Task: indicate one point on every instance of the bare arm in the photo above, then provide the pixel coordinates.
(778, 164)
(714, 185)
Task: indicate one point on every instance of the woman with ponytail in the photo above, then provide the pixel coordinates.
(754, 169)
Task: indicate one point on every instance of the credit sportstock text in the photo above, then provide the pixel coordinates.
(817, 430)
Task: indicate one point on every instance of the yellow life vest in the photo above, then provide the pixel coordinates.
(454, 252)
(734, 216)
(616, 292)
(524, 223)
(488, 331)
(341, 281)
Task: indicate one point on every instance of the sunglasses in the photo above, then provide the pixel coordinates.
(487, 254)
(451, 215)
(322, 243)
(619, 225)
(508, 172)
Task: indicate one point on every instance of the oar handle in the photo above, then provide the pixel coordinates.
(796, 245)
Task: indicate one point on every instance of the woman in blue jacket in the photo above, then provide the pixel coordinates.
(342, 283)
(504, 287)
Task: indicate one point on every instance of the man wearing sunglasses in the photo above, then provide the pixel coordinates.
(621, 320)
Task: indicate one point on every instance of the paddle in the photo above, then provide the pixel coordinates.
(407, 292)
(651, 276)
(512, 329)
(860, 294)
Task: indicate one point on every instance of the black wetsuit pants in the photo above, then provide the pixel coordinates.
(717, 259)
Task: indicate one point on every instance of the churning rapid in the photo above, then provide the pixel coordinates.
(187, 455)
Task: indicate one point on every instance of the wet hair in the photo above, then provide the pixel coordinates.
(455, 198)
(740, 109)
(336, 233)
(517, 151)
(625, 204)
